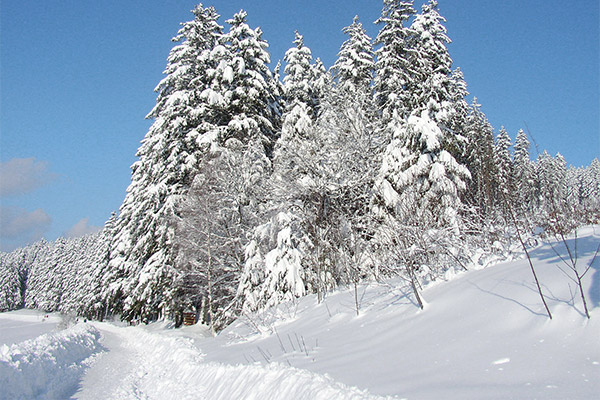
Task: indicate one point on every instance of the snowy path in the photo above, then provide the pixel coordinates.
(142, 365)
(109, 369)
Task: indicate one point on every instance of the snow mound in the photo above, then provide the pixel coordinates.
(175, 369)
(48, 367)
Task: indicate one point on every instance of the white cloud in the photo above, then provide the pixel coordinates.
(23, 175)
(82, 228)
(19, 227)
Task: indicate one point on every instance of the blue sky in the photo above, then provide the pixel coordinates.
(77, 80)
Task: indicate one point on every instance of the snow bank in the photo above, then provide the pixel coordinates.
(48, 367)
(173, 368)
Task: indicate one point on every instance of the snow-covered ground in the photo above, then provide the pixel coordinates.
(482, 335)
(18, 326)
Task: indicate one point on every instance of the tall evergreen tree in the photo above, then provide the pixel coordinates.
(354, 67)
(590, 193)
(299, 75)
(431, 82)
(503, 163)
(248, 111)
(322, 85)
(251, 109)
(393, 69)
(523, 173)
(419, 164)
(479, 157)
(550, 184)
(458, 120)
(417, 170)
(301, 103)
(142, 248)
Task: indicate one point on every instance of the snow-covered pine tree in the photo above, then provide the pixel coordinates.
(432, 82)
(251, 112)
(250, 108)
(245, 97)
(77, 266)
(418, 170)
(275, 268)
(321, 83)
(574, 184)
(299, 75)
(58, 278)
(96, 299)
(479, 158)
(15, 269)
(263, 282)
(523, 170)
(458, 121)
(393, 68)
(420, 182)
(11, 281)
(504, 173)
(590, 192)
(44, 283)
(142, 248)
(418, 165)
(550, 190)
(354, 68)
(301, 102)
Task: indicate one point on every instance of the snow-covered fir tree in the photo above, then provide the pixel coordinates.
(503, 161)
(267, 277)
(418, 165)
(393, 68)
(97, 298)
(479, 158)
(590, 190)
(12, 280)
(250, 108)
(523, 171)
(233, 174)
(458, 120)
(417, 169)
(142, 248)
(299, 76)
(354, 68)
(275, 268)
(432, 66)
(322, 84)
(550, 189)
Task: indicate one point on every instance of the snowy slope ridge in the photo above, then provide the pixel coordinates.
(482, 335)
(48, 367)
(166, 368)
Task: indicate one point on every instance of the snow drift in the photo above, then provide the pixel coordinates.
(48, 367)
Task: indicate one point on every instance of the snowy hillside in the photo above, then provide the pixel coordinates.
(482, 335)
